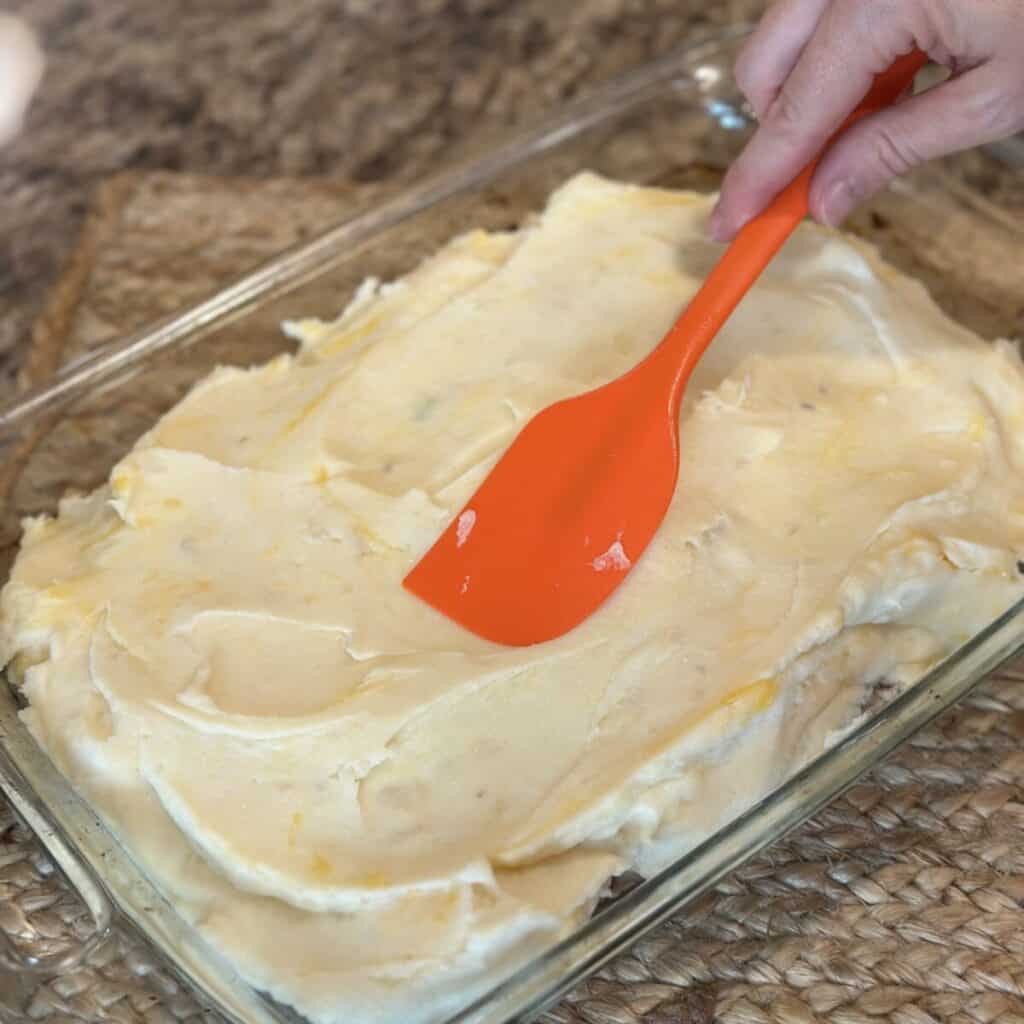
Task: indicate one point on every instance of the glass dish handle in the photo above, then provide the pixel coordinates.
(76, 872)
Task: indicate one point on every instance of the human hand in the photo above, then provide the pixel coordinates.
(21, 67)
(810, 62)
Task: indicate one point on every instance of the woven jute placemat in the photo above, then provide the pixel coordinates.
(904, 900)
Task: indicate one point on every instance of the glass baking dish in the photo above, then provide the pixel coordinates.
(676, 122)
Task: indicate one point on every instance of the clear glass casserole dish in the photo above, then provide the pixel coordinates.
(676, 122)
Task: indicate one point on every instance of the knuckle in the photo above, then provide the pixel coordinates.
(859, 17)
(892, 154)
(786, 114)
(941, 29)
(996, 112)
(751, 80)
(847, 10)
(879, 29)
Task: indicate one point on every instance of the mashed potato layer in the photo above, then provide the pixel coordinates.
(373, 814)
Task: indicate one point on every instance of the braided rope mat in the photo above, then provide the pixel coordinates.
(903, 900)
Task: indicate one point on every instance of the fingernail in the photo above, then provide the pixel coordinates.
(716, 224)
(836, 203)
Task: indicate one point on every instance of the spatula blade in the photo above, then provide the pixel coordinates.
(547, 538)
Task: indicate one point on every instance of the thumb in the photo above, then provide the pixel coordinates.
(978, 106)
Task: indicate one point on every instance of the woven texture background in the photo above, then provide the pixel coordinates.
(903, 901)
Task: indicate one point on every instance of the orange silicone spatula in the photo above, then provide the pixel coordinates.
(571, 505)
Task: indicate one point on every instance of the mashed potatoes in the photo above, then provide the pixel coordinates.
(373, 813)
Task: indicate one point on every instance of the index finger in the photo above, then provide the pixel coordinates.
(851, 44)
(774, 47)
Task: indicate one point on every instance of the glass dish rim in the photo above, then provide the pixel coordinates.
(89, 856)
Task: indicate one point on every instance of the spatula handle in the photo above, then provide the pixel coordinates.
(762, 237)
